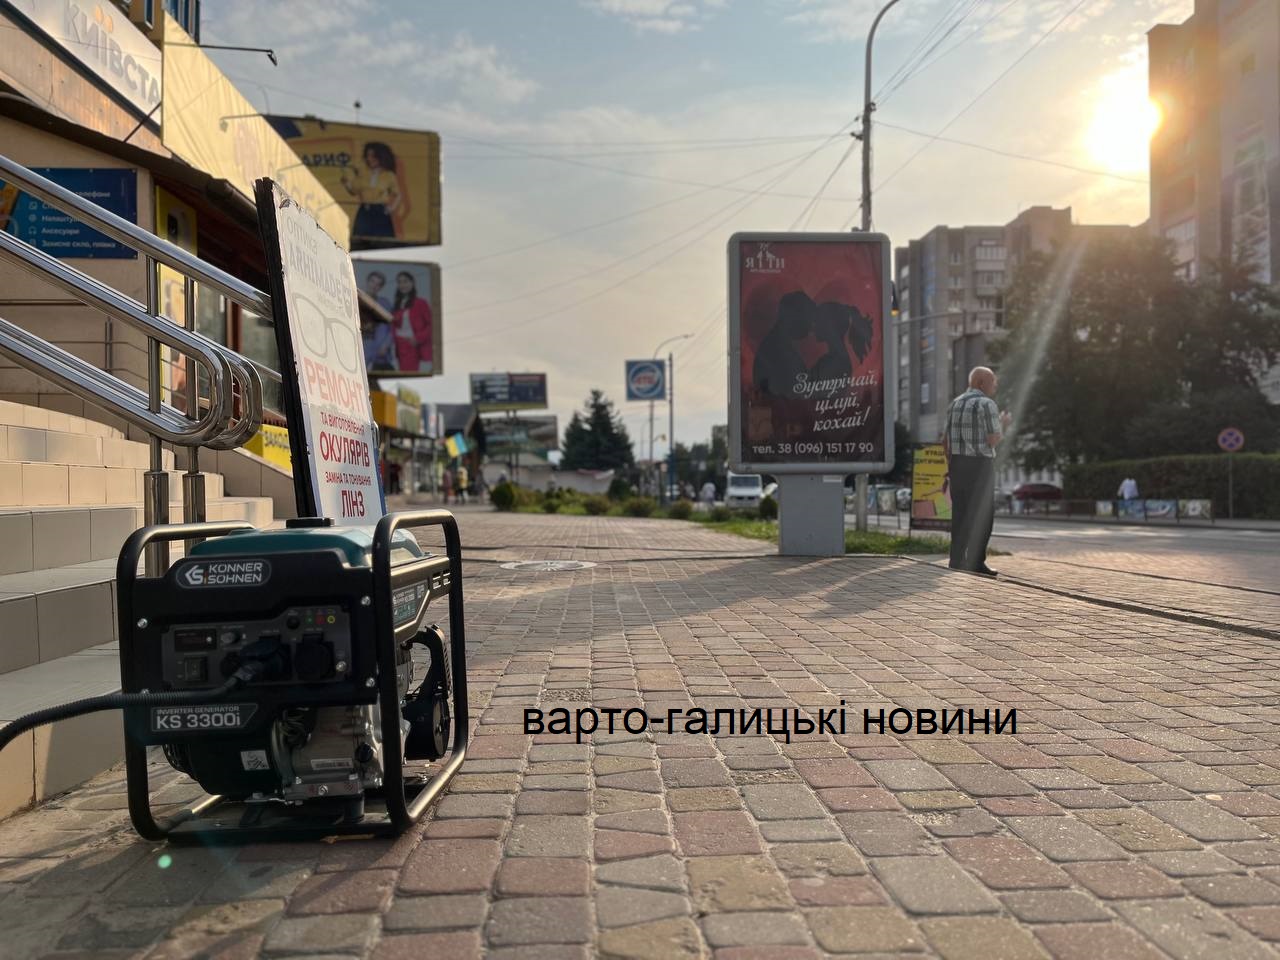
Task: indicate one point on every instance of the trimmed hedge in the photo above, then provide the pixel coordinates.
(680, 510)
(503, 496)
(639, 506)
(596, 505)
(1257, 481)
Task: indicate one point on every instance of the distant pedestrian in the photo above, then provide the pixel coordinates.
(974, 428)
(446, 484)
(464, 483)
(708, 495)
(1128, 489)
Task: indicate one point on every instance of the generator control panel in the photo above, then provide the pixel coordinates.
(304, 644)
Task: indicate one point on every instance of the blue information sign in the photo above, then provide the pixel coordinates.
(646, 379)
(56, 233)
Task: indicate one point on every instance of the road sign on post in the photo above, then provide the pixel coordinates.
(646, 380)
(811, 396)
(1231, 439)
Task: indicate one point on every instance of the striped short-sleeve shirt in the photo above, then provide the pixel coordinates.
(970, 418)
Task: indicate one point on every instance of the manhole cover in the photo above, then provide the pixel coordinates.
(547, 566)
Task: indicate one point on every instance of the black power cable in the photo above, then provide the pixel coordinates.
(118, 701)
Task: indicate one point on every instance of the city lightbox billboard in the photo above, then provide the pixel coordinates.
(811, 352)
(508, 391)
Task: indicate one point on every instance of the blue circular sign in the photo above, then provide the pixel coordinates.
(1231, 439)
(645, 380)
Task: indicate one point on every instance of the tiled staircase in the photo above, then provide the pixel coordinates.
(70, 493)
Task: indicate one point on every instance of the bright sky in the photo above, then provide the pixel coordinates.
(599, 153)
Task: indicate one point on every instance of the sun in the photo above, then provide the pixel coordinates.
(1124, 119)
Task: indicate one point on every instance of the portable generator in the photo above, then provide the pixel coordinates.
(277, 669)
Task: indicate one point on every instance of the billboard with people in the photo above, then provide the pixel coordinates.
(810, 347)
(387, 180)
(409, 345)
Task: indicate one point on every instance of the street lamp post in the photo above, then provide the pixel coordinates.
(671, 404)
(860, 482)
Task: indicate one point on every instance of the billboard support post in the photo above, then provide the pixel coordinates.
(651, 405)
(807, 502)
(671, 426)
(811, 373)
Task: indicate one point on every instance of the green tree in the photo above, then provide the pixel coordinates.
(596, 438)
(1232, 333)
(1191, 425)
(1093, 343)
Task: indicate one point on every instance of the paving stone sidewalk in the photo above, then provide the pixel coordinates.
(1257, 608)
(1135, 813)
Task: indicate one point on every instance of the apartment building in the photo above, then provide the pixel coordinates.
(1215, 161)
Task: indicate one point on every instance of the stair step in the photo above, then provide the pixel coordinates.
(52, 759)
(50, 613)
(26, 415)
(27, 484)
(39, 445)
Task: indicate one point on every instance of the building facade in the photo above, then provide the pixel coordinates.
(950, 286)
(1215, 161)
(117, 102)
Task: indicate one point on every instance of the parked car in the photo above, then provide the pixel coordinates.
(1037, 491)
(744, 491)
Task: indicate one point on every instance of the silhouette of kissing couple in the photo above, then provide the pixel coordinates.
(778, 362)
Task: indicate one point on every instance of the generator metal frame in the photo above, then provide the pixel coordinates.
(404, 804)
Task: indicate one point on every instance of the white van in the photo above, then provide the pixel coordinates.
(744, 491)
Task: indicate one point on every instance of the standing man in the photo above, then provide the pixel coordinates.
(974, 428)
(463, 481)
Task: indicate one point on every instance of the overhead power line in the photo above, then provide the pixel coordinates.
(550, 157)
(799, 160)
(934, 137)
(739, 205)
(979, 28)
(1013, 156)
(520, 248)
(914, 62)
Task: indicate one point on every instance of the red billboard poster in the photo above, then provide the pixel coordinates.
(811, 346)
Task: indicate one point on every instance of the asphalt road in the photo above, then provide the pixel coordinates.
(1221, 554)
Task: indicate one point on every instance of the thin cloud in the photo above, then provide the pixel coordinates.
(658, 16)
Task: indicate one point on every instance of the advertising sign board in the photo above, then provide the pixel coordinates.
(101, 39)
(509, 391)
(646, 379)
(217, 130)
(930, 488)
(56, 233)
(532, 435)
(810, 350)
(387, 180)
(313, 294)
(411, 345)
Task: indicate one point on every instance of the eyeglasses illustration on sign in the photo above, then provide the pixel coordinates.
(319, 330)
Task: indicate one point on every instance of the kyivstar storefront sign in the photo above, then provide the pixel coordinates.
(101, 38)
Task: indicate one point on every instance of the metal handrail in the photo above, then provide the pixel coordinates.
(115, 304)
(221, 426)
(135, 237)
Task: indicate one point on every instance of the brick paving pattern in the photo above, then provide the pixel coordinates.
(1134, 815)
